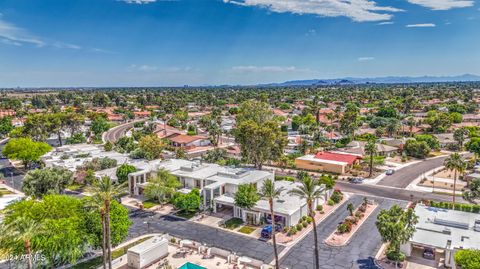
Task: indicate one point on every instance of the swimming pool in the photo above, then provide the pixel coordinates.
(189, 265)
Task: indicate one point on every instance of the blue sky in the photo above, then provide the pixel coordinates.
(204, 42)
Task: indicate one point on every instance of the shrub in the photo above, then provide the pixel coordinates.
(330, 202)
(304, 218)
(299, 227)
(468, 258)
(292, 231)
(309, 220)
(362, 208)
(305, 224)
(285, 229)
(319, 207)
(344, 228)
(337, 196)
(395, 256)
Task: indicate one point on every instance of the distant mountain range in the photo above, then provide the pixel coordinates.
(376, 80)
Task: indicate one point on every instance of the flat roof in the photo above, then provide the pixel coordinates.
(445, 228)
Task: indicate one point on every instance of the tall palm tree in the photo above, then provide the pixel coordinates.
(21, 230)
(371, 150)
(310, 191)
(104, 191)
(270, 193)
(458, 165)
(97, 203)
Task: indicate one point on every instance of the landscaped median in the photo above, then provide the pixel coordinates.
(351, 224)
(292, 234)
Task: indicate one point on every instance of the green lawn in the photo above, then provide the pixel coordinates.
(75, 187)
(246, 230)
(97, 261)
(186, 214)
(233, 223)
(4, 191)
(149, 204)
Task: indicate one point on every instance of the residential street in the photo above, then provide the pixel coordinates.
(358, 253)
(403, 177)
(241, 245)
(392, 193)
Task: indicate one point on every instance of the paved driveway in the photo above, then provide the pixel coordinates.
(358, 253)
(242, 245)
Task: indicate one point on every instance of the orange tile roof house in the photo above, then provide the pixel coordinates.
(189, 141)
(326, 161)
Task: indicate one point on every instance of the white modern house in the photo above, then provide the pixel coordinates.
(218, 185)
(442, 232)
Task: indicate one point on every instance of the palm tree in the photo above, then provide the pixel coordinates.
(371, 150)
(21, 230)
(270, 193)
(310, 191)
(350, 209)
(104, 191)
(458, 165)
(96, 203)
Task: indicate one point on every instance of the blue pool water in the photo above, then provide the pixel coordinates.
(189, 265)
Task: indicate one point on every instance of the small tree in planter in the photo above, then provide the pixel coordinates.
(350, 208)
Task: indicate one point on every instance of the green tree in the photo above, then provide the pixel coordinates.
(270, 193)
(189, 202)
(473, 191)
(152, 146)
(120, 223)
(439, 121)
(6, 126)
(25, 149)
(458, 165)
(467, 258)
(246, 196)
(104, 191)
(350, 208)
(260, 142)
(431, 140)
(417, 149)
(460, 135)
(20, 231)
(99, 125)
(123, 171)
(162, 187)
(396, 226)
(40, 182)
(256, 111)
(310, 191)
(474, 146)
(371, 150)
(61, 234)
(349, 121)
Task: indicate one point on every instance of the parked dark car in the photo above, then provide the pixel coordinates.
(356, 180)
(267, 230)
(429, 253)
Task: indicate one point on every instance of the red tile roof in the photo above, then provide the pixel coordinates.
(338, 157)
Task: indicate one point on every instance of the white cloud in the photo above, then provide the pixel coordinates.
(16, 36)
(443, 4)
(144, 67)
(269, 69)
(357, 10)
(139, 2)
(365, 59)
(420, 25)
(385, 23)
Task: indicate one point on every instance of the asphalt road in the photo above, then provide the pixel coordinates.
(357, 253)
(240, 244)
(403, 177)
(116, 132)
(392, 193)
